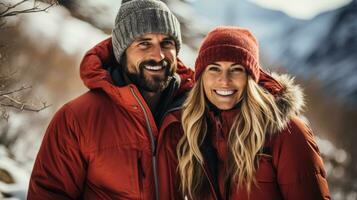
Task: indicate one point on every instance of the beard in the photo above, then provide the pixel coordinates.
(151, 83)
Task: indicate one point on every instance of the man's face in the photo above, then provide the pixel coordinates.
(150, 60)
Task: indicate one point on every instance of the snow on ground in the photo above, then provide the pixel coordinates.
(17, 190)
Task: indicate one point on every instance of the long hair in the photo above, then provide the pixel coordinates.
(259, 116)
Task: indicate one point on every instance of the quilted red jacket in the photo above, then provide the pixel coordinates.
(105, 144)
(290, 166)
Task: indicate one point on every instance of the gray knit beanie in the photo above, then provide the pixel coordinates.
(138, 17)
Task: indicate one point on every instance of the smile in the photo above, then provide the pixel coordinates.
(154, 68)
(225, 92)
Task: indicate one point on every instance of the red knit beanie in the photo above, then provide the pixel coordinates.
(234, 44)
(229, 44)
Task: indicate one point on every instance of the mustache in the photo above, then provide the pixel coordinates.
(164, 63)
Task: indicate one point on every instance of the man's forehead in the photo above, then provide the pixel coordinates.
(152, 36)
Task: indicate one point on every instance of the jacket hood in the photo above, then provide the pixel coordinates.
(95, 75)
(290, 100)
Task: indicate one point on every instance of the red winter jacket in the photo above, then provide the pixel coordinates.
(105, 144)
(290, 165)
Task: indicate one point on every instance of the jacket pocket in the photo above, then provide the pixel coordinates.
(115, 169)
(265, 172)
(267, 184)
(141, 174)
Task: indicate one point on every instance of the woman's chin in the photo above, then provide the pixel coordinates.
(225, 106)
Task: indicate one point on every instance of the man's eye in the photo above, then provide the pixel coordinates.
(144, 44)
(168, 44)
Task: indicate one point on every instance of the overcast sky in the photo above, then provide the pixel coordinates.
(304, 9)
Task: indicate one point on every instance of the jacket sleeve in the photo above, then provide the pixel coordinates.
(300, 170)
(59, 169)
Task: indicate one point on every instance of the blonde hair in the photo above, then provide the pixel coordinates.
(258, 116)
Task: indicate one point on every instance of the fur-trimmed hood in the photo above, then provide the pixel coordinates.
(290, 100)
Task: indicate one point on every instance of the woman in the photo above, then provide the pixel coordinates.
(243, 138)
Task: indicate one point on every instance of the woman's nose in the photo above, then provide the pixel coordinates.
(224, 77)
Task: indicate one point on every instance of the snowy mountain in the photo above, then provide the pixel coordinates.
(267, 25)
(323, 48)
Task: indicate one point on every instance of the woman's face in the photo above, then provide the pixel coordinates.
(224, 83)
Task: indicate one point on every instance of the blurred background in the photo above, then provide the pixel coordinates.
(43, 42)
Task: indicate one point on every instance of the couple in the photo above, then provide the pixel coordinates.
(150, 128)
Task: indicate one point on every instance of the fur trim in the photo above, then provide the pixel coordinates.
(291, 101)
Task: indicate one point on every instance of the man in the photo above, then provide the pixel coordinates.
(112, 142)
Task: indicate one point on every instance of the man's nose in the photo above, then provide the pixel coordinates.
(157, 53)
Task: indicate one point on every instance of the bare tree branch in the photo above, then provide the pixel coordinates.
(14, 91)
(10, 12)
(21, 105)
(9, 7)
(7, 76)
(12, 99)
(25, 107)
(6, 99)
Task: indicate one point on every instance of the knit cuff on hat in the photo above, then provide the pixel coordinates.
(227, 53)
(142, 22)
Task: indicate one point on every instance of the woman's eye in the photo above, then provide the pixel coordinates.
(237, 69)
(213, 69)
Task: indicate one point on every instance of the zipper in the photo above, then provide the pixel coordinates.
(141, 174)
(153, 144)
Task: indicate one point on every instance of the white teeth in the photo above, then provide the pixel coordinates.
(225, 92)
(154, 68)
